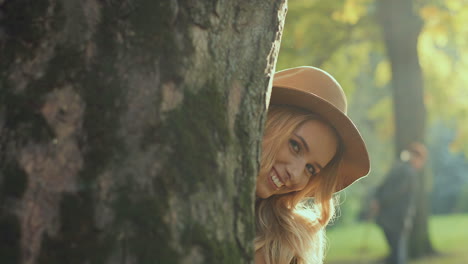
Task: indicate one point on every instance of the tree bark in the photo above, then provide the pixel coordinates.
(130, 130)
(401, 28)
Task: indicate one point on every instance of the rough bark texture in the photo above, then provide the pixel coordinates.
(130, 130)
(401, 29)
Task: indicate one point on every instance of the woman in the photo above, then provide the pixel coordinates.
(311, 150)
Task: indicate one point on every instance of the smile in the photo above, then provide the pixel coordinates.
(275, 179)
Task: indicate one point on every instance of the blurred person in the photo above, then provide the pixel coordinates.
(310, 150)
(394, 202)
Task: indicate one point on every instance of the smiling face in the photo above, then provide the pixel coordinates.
(306, 152)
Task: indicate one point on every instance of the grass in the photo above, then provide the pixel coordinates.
(364, 243)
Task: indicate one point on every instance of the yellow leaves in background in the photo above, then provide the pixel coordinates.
(429, 12)
(455, 4)
(443, 53)
(383, 73)
(433, 56)
(382, 115)
(437, 23)
(460, 20)
(310, 36)
(446, 24)
(347, 64)
(460, 113)
(352, 11)
(303, 3)
(300, 33)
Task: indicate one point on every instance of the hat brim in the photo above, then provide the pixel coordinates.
(355, 163)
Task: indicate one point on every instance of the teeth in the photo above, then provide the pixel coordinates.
(276, 180)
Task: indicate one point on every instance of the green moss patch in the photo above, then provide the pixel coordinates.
(196, 131)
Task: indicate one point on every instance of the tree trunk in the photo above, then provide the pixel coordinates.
(130, 130)
(401, 29)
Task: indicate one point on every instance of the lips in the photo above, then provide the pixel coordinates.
(276, 179)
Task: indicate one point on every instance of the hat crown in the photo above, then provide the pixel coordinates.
(315, 81)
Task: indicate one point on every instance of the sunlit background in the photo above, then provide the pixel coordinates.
(344, 38)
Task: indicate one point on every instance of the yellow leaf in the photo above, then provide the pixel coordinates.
(383, 73)
(429, 12)
(454, 4)
(352, 11)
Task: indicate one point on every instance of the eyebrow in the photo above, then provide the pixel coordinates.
(307, 148)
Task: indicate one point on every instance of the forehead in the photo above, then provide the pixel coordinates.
(321, 140)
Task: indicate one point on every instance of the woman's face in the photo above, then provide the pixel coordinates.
(307, 151)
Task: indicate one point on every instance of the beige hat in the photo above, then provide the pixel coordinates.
(317, 91)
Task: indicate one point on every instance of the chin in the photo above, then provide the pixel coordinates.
(262, 194)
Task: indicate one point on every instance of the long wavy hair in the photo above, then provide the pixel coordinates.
(290, 227)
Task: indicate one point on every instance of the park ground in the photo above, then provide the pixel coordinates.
(363, 243)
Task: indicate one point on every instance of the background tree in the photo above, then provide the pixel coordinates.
(130, 130)
(401, 27)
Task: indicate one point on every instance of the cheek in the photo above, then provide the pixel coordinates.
(304, 181)
(284, 153)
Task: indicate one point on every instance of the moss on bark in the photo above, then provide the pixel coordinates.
(198, 131)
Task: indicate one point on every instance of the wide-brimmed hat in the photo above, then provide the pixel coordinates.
(315, 90)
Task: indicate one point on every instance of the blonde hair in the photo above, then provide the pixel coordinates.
(290, 227)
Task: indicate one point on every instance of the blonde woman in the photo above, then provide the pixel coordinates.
(311, 150)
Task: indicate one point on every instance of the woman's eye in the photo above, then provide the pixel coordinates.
(311, 169)
(294, 145)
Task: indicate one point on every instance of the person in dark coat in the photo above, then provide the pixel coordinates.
(394, 204)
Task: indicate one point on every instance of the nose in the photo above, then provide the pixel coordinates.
(296, 172)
